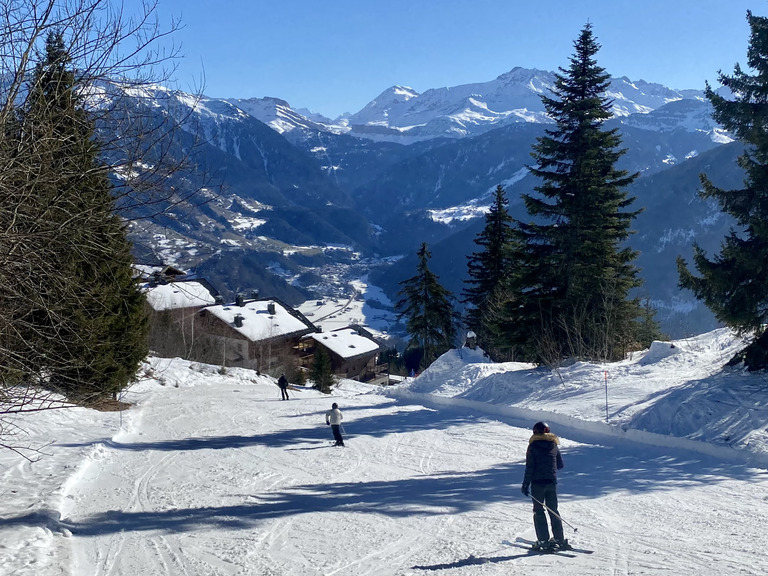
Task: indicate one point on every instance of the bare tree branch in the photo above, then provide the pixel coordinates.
(121, 59)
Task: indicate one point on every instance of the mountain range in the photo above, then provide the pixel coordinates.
(305, 202)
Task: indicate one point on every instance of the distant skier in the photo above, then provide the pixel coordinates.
(283, 383)
(542, 461)
(333, 418)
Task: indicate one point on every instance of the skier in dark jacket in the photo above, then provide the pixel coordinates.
(542, 461)
(283, 383)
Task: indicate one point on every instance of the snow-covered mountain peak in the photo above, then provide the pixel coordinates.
(523, 76)
(393, 98)
(402, 114)
(279, 115)
(404, 92)
(394, 94)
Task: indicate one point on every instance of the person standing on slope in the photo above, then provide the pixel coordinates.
(283, 383)
(333, 418)
(542, 461)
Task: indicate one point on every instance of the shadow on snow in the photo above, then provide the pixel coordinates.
(591, 470)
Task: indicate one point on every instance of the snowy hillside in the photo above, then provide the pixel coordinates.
(210, 474)
(279, 190)
(690, 115)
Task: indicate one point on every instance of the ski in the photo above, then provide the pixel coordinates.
(530, 543)
(534, 552)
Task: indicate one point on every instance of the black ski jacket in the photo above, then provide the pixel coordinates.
(542, 460)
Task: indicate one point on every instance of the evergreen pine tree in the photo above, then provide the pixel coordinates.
(488, 268)
(508, 331)
(322, 372)
(573, 295)
(86, 327)
(647, 329)
(734, 284)
(300, 377)
(428, 307)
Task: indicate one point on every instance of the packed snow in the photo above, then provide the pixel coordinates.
(209, 473)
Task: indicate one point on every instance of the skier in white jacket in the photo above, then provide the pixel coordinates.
(333, 418)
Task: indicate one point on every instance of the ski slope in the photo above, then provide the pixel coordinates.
(211, 474)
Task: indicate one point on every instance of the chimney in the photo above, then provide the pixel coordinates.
(219, 300)
(239, 320)
(255, 294)
(271, 308)
(240, 300)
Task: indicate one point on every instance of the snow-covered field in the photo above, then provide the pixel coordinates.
(211, 474)
(367, 306)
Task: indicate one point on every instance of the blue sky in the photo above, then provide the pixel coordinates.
(335, 56)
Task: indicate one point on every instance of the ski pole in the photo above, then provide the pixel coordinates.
(555, 514)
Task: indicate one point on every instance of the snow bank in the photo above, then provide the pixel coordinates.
(658, 351)
(675, 395)
(591, 430)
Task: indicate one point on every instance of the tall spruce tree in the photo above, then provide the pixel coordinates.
(508, 329)
(573, 296)
(322, 371)
(488, 268)
(427, 305)
(734, 284)
(85, 327)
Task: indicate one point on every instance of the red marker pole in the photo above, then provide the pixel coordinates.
(606, 395)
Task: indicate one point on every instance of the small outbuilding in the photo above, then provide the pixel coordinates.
(353, 354)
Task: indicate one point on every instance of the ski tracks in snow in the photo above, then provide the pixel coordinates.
(258, 489)
(112, 550)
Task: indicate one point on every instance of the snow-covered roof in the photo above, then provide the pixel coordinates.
(174, 295)
(257, 322)
(346, 342)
